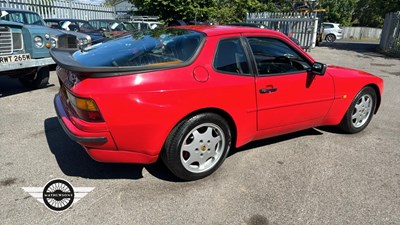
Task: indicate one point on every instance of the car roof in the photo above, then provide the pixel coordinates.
(214, 30)
(331, 23)
(15, 10)
(107, 20)
(244, 24)
(140, 21)
(57, 19)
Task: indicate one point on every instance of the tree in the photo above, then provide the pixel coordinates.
(217, 11)
(339, 11)
(226, 11)
(169, 10)
(372, 12)
(110, 2)
(345, 12)
(361, 12)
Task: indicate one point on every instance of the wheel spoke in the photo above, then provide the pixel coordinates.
(355, 115)
(214, 145)
(192, 159)
(358, 107)
(202, 162)
(208, 134)
(359, 120)
(192, 147)
(367, 103)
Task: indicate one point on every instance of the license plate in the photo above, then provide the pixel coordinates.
(15, 58)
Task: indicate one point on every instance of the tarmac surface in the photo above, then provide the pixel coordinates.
(316, 176)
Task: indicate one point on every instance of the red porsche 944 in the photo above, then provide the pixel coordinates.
(190, 94)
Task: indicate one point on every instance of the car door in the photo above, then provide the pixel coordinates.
(328, 28)
(289, 97)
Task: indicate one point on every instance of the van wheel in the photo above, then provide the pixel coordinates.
(197, 146)
(38, 80)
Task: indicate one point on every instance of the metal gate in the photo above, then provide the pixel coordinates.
(390, 39)
(299, 26)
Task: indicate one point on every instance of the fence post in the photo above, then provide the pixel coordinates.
(315, 30)
(70, 9)
(386, 31)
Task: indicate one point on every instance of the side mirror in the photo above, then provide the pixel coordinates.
(318, 68)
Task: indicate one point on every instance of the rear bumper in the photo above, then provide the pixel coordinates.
(99, 145)
(80, 136)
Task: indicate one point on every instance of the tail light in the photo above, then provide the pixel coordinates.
(85, 108)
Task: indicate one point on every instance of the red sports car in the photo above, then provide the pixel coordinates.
(190, 94)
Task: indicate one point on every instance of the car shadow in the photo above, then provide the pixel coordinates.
(367, 49)
(274, 140)
(331, 129)
(74, 161)
(11, 86)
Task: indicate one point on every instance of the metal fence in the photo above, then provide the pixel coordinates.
(390, 39)
(302, 27)
(62, 9)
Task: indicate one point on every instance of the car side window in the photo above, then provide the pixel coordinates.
(230, 57)
(53, 25)
(273, 56)
(15, 17)
(85, 26)
(94, 24)
(33, 18)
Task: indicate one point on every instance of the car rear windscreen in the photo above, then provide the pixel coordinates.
(166, 46)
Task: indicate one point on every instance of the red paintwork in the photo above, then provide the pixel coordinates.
(140, 110)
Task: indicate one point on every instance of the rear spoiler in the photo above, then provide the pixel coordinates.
(64, 59)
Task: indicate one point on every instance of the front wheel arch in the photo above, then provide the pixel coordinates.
(378, 96)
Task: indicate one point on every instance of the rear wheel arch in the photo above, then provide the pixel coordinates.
(220, 112)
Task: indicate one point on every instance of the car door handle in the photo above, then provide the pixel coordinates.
(268, 90)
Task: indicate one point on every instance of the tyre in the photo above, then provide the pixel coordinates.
(197, 146)
(330, 38)
(38, 80)
(360, 111)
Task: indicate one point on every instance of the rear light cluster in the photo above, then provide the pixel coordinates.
(85, 108)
